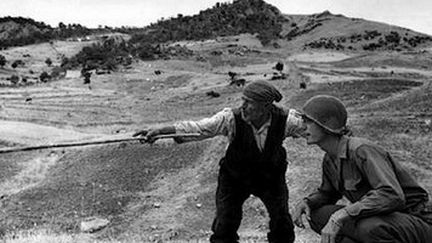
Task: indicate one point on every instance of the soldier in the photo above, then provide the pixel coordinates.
(386, 203)
(254, 163)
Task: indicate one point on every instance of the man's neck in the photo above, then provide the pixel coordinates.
(258, 123)
(330, 145)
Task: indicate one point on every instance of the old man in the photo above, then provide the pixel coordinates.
(255, 160)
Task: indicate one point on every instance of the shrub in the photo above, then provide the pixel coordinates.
(14, 79)
(17, 63)
(2, 60)
(393, 37)
(44, 77)
(58, 72)
(48, 62)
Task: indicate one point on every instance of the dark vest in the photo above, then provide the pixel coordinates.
(243, 160)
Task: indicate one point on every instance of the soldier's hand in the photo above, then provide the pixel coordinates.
(333, 226)
(329, 232)
(300, 209)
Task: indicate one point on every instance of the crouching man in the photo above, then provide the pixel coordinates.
(387, 204)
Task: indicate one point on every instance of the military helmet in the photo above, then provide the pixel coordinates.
(328, 112)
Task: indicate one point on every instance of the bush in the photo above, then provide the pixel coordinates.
(17, 63)
(2, 60)
(48, 62)
(14, 79)
(44, 77)
(106, 56)
(58, 72)
(393, 37)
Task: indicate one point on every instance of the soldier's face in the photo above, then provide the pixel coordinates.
(314, 133)
(252, 110)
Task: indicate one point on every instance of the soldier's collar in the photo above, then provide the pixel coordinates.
(343, 147)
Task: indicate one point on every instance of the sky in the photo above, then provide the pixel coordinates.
(411, 14)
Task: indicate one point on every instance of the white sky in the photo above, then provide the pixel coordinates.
(412, 14)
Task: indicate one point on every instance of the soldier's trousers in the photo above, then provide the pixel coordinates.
(231, 195)
(394, 227)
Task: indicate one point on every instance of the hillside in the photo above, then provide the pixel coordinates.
(227, 23)
(317, 31)
(164, 192)
(337, 32)
(322, 31)
(19, 31)
(224, 19)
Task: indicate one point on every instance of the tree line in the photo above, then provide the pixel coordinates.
(223, 19)
(27, 31)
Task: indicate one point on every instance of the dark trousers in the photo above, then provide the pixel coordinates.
(230, 196)
(394, 227)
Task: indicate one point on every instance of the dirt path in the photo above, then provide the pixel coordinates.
(30, 134)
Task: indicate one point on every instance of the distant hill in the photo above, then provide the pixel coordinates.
(19, 31)
(274, 29)
(22, 31)
(224, 19)
(317, 31)
(328, 31)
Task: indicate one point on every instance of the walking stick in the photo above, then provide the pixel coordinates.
(77, 144)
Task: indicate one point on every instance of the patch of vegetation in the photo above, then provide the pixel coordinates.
(19, 31)
(17, 63)
(325, 43)
(370, 40)
(297, 31)
(106, 55)
(2, 61)
(241, 16)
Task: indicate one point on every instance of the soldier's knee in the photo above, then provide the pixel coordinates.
(373, 230)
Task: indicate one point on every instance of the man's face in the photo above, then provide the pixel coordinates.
(314, 133)
(252, 110)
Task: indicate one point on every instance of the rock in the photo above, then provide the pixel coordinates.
(302, 85)
(93, 224)
(212, 94)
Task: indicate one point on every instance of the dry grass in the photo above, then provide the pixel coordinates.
(33, 172)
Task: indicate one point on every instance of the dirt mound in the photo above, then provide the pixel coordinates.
(99, 180)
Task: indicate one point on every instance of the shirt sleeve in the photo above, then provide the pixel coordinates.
(326, 193)
(294, 125)
(222, 123)
(386, 194)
